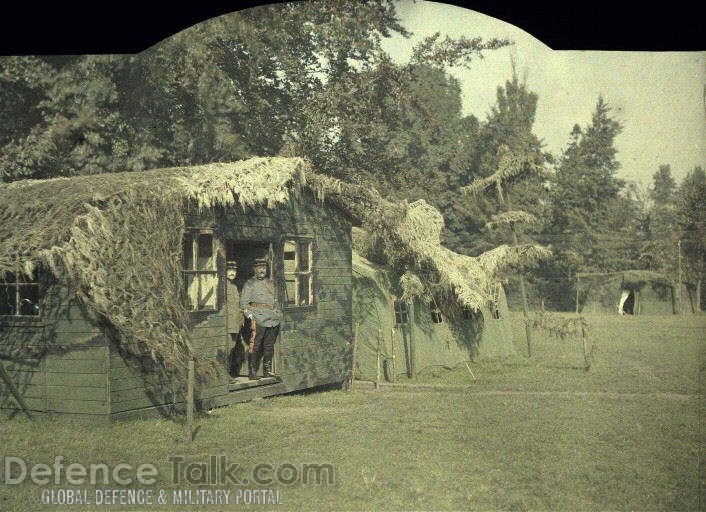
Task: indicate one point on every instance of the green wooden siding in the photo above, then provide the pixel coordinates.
(58, 361)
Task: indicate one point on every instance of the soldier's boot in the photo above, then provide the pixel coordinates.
(267, 368)
(252, 370)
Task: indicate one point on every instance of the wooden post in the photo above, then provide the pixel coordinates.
(577, 293)
(679, 297)
(11, 386)
(525, 313)
(410, 328)
(353, 349)
(393, 377)
(377, 365)
(190, 402)
(505, 201)
(586, 363)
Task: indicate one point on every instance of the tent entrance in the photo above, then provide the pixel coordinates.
(626, 306)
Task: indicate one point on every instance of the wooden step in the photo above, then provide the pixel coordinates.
(245, 383)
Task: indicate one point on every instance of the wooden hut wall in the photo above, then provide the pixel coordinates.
(58, 361)
(314, 345)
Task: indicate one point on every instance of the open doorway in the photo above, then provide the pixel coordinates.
(627, 303)
(244, 254)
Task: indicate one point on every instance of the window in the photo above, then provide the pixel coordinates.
(297, 257)
(19, 296)
(401, 313)
(199, 269)
(435, 313)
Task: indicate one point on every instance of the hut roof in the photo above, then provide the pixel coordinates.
(116, 236)
(37, 216)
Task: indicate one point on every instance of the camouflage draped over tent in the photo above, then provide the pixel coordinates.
(420, 331)
(631, 292)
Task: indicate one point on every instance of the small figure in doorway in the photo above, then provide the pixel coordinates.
(234, 317)
(259, 303)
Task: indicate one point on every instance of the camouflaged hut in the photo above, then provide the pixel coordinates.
(111, 283)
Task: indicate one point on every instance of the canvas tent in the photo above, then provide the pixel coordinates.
(418, 334)
(631, 293)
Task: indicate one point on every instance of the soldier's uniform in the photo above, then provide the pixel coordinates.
(258, 300)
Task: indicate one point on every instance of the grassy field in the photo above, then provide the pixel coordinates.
(537, 435)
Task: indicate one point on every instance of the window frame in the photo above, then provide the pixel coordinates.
(400, 309)
(311, 273)
(18, 284)
(194, 232)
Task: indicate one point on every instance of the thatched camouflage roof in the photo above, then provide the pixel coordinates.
(118, 238)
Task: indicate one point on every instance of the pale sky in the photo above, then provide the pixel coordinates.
(658, 97)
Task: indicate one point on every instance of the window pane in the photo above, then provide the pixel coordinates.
(289, 256)
(191, 290)
(205, 252)
(304, 296)
(29, 300)
(8, 277)
(290, 286)
(207, 297)
(401, 312)
(188, 253)
(7, 299)
(201, 290)
(304, 256)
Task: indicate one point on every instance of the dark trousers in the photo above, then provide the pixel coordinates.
(238, 354)
(265, 338)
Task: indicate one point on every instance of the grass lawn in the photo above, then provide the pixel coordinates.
(633, 355)
(634, 445)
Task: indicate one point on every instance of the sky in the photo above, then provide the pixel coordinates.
(659, 97)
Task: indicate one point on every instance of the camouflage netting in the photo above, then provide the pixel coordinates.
(409, 236)
(118, 238)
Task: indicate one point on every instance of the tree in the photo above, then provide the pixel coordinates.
(585, 180)
(691, 219)
(661, 231)
(513, 166)
(588, 217)
(224, 89)
(663, 186)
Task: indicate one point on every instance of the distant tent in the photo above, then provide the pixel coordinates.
(631, 292)
(425, 334)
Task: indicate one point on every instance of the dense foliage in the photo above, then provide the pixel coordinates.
(311, 79)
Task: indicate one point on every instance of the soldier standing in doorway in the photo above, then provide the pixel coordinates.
(259, 303)
(234, 317)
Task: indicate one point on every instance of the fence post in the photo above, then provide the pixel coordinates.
(392, 354)
(586, 363)
(353, 354)
(190, 402)
(377, 365)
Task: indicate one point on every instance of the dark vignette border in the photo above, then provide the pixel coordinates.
(28, 28)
